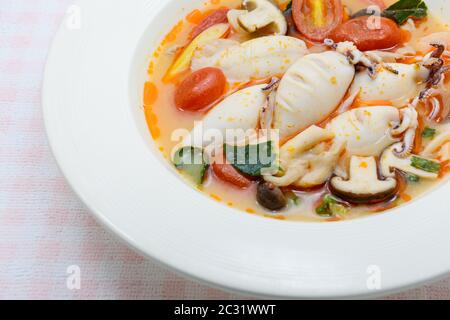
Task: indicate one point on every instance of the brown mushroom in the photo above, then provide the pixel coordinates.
(364, 185)
(258, 15)
(270, 196)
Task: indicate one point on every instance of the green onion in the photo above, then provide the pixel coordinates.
(331, 206)
(428, 133)
(192, 162)
(293, 197)
(412, 178)
(425, 164)
(338, 209)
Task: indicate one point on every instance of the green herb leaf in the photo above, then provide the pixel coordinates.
(288, 7)
(428, 133)
(193, 162)
(338, 209)
(331, 206)
(293, 197)
(251, 159)
(412, 178)
(425, 164)
(402, 10)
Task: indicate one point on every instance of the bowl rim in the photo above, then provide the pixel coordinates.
(226, 273)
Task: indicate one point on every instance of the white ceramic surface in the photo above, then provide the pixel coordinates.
(92, 102)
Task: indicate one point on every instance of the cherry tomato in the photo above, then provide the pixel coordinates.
(316, 19)
(227, 173)
(368, 34)
(219, 16)
(200, 89)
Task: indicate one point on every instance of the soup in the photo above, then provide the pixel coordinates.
(317, 110)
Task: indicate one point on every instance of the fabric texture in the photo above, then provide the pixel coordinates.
(46, 234)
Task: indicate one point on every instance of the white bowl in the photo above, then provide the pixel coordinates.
(92, 101)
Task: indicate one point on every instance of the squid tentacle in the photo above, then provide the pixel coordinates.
(407, 145)
(355, 56)
(408, 126)
(272, 85)
(409, 119)
(348, 102)
(268, 110)
(440, 49)
(436, 109)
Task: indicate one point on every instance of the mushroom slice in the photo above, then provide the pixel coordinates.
(424, 44)
(233, 16)
(255, 59)
(399, 86)
(390, 161)
(310, 90)
(364, 186)
(261, 15)
(444, 152)
(436, 144)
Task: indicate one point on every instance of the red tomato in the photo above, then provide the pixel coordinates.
(227, 173)
(219, 16)
(316, 19)
(200, 89)
(367, 34)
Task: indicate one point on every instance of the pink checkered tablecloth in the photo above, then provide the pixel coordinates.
(44, 229)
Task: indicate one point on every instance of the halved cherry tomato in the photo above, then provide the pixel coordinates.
(227, 173)
(316, 19)
(200, 89)
(219, 16)
(368, 34)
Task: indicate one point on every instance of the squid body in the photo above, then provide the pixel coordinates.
(239, 111)
(398, 83)
(310, 90)
(258, 58)
(366, 131)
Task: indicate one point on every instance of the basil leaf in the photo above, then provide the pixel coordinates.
(428, 133)
(425, 164)
(251, 159)
(193, 162)
(402, 10)
(338, 209)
